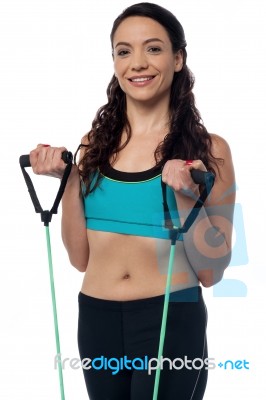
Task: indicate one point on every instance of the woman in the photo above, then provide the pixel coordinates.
(148, 135)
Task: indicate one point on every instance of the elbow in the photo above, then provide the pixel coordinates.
(80, 267)
(213, 274)
(209, 282)
(209, 277)
(80, 262)
(78, 255)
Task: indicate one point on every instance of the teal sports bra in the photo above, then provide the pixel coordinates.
(130, 203)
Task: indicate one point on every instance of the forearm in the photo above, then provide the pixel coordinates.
(208, 241)
(74, 232)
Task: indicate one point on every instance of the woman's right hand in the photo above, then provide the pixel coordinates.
(47, 160)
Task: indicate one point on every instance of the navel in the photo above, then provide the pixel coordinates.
(126, 276)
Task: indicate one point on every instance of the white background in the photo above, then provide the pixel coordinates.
(55, 66)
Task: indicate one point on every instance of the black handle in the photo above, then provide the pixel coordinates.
(205, 178)
(24, 160)
(46, 215)
(202, 177)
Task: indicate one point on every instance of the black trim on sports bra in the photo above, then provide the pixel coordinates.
(115, 174)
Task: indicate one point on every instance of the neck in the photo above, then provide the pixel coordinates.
(148, 119)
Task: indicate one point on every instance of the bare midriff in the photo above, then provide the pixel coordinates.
(126, 267)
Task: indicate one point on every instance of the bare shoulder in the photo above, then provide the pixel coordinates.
(224, 168)
(84, 144)
(85, 139)
(220, 147)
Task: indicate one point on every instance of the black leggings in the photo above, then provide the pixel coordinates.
(115, 329)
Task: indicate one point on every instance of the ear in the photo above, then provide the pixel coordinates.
(113, 60)
(179, 60)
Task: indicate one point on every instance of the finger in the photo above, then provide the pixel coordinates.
(43, 145)
(198, 164)
(188, 162)
(49, 157)
(33, 158)
(170, 166)
(43, 156)
(186, 165)
(37, 157)
(41, 152)
(166, 167)
(165, 171)
(58, 155)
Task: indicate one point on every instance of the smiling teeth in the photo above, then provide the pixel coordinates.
(141, 79)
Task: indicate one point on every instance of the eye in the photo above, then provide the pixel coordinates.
(154, 50)
(122, 53)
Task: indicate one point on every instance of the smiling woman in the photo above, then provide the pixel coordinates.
(137, 156)
(145, 60)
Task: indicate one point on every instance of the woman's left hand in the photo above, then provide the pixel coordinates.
(176, 174)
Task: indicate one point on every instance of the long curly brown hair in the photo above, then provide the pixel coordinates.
(187, 137)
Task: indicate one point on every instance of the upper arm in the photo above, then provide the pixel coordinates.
(83, 146)
(220, 204)
(223, 191)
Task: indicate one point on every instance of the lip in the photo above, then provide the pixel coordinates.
(141, 83)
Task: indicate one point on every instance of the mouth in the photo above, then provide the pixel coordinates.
(140, 79)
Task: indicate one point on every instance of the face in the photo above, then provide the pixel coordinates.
(144, 62)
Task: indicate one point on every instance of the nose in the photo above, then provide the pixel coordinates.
(139, 61)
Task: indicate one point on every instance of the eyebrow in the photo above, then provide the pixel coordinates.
(145, 42)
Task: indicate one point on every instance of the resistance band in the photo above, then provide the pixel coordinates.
(203, 178)
(46, 217)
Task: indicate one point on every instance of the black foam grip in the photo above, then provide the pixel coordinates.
(24, 160)
(67, 157)
(202, 177)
